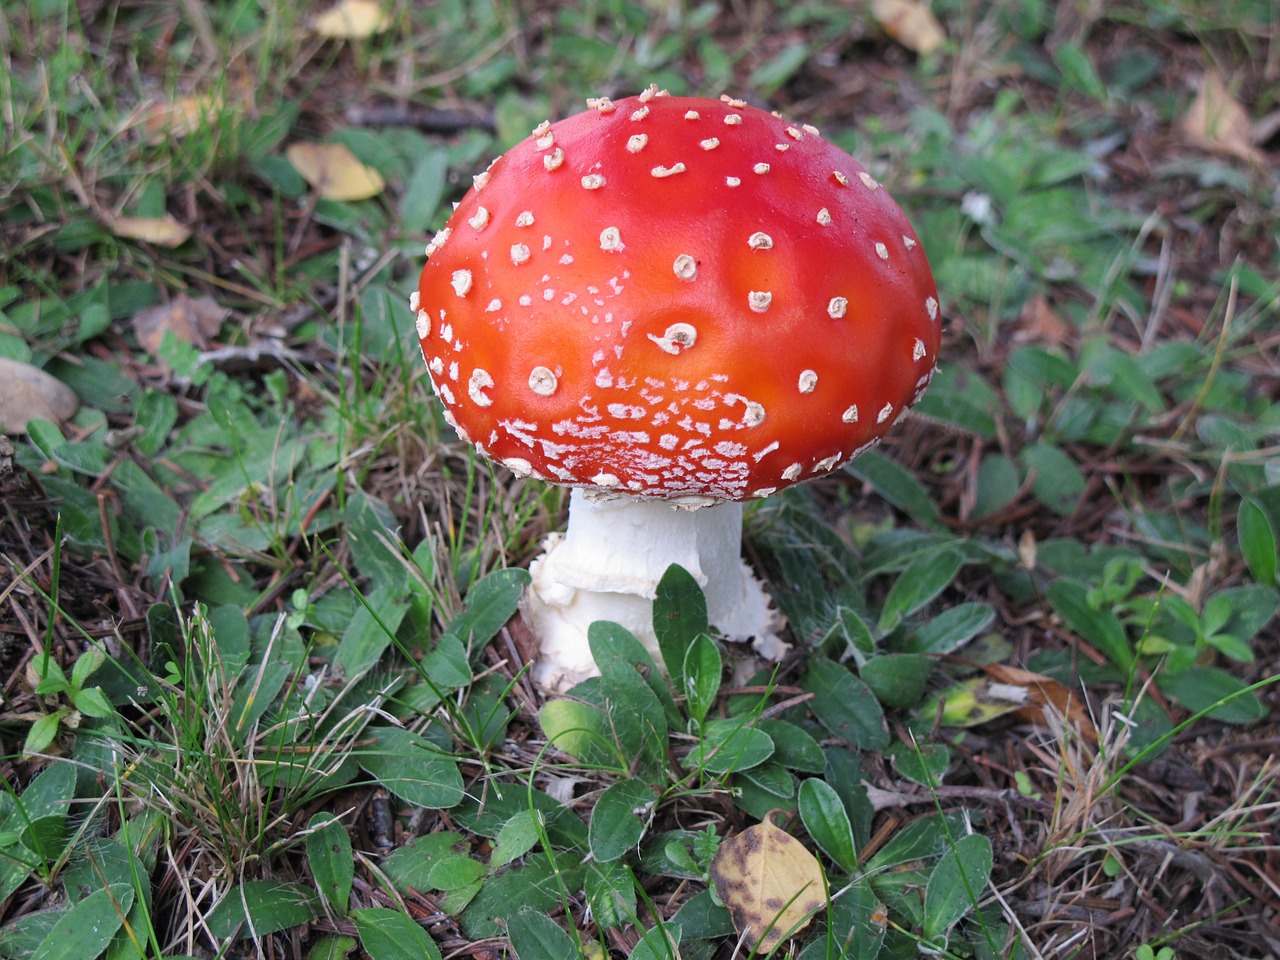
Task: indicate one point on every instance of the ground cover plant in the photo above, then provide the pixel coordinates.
(264, 687)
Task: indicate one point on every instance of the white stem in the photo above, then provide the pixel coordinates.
(607, 564)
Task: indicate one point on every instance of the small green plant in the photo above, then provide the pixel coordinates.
(52, 682)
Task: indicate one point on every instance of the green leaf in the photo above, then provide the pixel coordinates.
(538, 885)
(923, 763)
(825, 817)
(727, 746)
(329, 857)
(998, 482)
(702, 669)
(1058, 482)
(897, 485)
(679, 615)
(844, 705)
(535, 936)
(259, 907)
(956, 884)
(794, 748)
(897, 679)
(412, 768)
(658, 943)
(1208, 688)
(411, 865)
(924, 578)
(387, 934)
(491, 602)
(93, 703)
(1101, 629)
(86, 664)
(84, 931)
(1257, 542)
(610, 889)
(423, 192)
(620, 818)
(582, 731)
(517, 837)
(41, 733)
(634, 696)
(951, 629)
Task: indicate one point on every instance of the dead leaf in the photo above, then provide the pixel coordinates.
(190, 319)
(174, 119)
(1044, 696)
(351, 20)
(1216, 121)
(1040, 323)
(28, 393)
(771, 884)
(162, 231)
(911, 23)
(334, 171)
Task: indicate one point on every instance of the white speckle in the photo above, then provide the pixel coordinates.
(480, 381)
(794, 134)
(636, 142)
(519, 466)
(601, 104)
(668, 441)
(626, 411)
(546, 142)
(438, 241)
(731, 181)
(566, 259)
(542, 129)
(754, 414)
(648, 93)
(868, 180)
(640, 114)
(525, 300)
(824, 217)
(525, 219)
(792, 472)
(918, 350)
(885, 413)
(908, 242)
(453, 371)
(553, 159)
(667, 171)
(764, 492)
(461, 282)
(414, 300)
(826, 463)
(437, 366)
(850, 415)
(882, 251)
(423, 324)
(676, 338)
(761, 168)
(593, 181)
(446, 333)
(732, 101)
(709, 144)
(732, 120)
(759, 300)
(692, 115)
(480, 219)
(548, 295)
(782, 147)
(543, 381)
(765, 451)
(685, 267)
(605, 480)
(481, 180)
(494, 306)
(808, 381)
(810, 129)
(760, 241)
(446, 394)
(611, 240)
(519, 253)
(837, 307)
(727, 448)
(840, 178)
(931, 305)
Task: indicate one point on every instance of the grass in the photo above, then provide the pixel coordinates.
(263, 669)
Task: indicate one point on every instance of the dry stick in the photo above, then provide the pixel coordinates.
(885, 799)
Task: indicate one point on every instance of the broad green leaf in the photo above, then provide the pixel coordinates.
(857, 920)
(582, 731)
(517, 837)
(827, 821)
(490, 603)
(702, 669)
(369, 632)
(1058, 482)
(412, 768)
(701, 918)
(634, 697)
(658, 943)
(679, 615)
(411, 865)
(1208, 688)
(844, 705)
(41, 733)
(537, 884)
(957, 884)
(259, 907)
(535, 936)
(447, 666)
(730, 745)
(610, 889)
(620, 818)
(1257, 542)
(330, 859)
(923, 763)
(1101, 629)
(923, 579)
(423, 191)
(951, 629)
(85, 930)
(998, 481)
(454, 872)
(793, 747)
(326, 948)
(897, 679)
(897, 485)
(1251, 608)
(387, 934)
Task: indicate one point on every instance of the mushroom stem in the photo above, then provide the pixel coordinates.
(607, 564)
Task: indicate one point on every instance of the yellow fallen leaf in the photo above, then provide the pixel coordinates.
(173, 119)
(1217, 121)
(334, 171)
(771, 884)
(28, 393)
(911, 23)
(190, 319)
(351, 20)
(162, 231)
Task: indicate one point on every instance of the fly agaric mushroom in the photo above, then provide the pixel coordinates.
(672, 305)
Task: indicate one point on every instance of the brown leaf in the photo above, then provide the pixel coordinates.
(190, 319)
(911, 23)
(28, 393)
(771, 884)
(351, 19)
(1040, 323)
(174, 119)
(162, 231)
(334, 171)
(1216, 121)
(1044, 696)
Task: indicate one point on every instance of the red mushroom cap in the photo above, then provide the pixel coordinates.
(676, 298)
